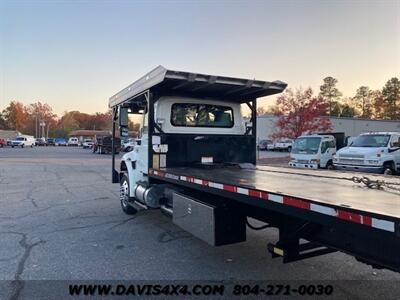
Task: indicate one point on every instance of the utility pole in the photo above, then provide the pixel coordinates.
(36, 127)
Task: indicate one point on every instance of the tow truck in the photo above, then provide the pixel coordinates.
(196, 162)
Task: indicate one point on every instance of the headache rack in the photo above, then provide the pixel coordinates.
(197, 85)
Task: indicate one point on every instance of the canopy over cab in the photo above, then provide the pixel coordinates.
(198, 85)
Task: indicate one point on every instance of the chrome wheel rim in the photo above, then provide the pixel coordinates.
(123, 194)
(388, 172)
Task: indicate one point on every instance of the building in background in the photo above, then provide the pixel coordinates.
(350, 126)
(9, 134)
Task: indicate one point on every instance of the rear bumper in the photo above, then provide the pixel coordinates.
(369, 169)
(303, 166)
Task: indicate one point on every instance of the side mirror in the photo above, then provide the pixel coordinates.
(123, 122)
(123, 116)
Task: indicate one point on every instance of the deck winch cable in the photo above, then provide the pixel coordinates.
(372, 184)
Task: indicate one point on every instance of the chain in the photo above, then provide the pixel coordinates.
(376, 184)
(372, 184)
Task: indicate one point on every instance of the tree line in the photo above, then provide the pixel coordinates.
(38, 119)
(381, 104)
(299, 111)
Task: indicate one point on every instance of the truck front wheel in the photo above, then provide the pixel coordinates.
(388, 168)
(124, 196)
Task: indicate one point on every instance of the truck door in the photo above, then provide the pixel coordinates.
(394, 148)
(328, 149)
(142, 149)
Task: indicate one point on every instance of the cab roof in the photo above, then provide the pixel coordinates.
(199, 85)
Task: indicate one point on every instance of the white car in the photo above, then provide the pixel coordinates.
(128, 145)
(283, 145)
(23, 141)
(377, 152)
(87, 144)
(73, 141)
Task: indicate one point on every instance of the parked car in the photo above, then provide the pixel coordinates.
(60, 142)
(284, 145)
(271, 146)
(263, 144)
(3, 143)
(40, 142)
(73, 141)
(87, 143)
(51, 142)
(128, 145)
(23, 141)
(377, 152)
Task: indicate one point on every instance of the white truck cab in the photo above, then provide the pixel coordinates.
(377, 152)
(313, 151)
(181, 115)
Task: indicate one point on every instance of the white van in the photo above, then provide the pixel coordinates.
(73, 141)
(377, 152)
(23, 141)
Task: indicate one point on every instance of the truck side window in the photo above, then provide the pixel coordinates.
(395, 142)
(325, 146)
(144, 125)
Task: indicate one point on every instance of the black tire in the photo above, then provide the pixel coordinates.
(388, 169)
(124, 196)
(289, 149)
(329, 165)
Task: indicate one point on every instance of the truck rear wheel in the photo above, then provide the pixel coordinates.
(124, 196)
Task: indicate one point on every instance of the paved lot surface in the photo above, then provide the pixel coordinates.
(275, 158)
(60, 220)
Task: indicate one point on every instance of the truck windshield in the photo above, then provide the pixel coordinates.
(201, 115)
(20, 139)
(371, 140)
(306, 145)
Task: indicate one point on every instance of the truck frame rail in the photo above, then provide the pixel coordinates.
(361, 225)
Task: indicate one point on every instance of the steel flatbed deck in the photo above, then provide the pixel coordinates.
(328, 193)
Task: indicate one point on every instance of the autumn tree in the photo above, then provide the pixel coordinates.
(331, 94)
(15, 115)
(391, 97)
(261, 111)
(3, 122)
(347, 110)
(102, 121)
(66, 124)
(378, 105)
(40, 112)
(300, 112)
(363, 102)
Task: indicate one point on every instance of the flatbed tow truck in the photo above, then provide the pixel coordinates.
(196, 162)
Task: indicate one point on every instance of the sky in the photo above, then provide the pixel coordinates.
(74, 55)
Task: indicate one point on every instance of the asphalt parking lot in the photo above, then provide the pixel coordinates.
(60, 219)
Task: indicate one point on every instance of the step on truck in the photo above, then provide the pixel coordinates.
(195, 161)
